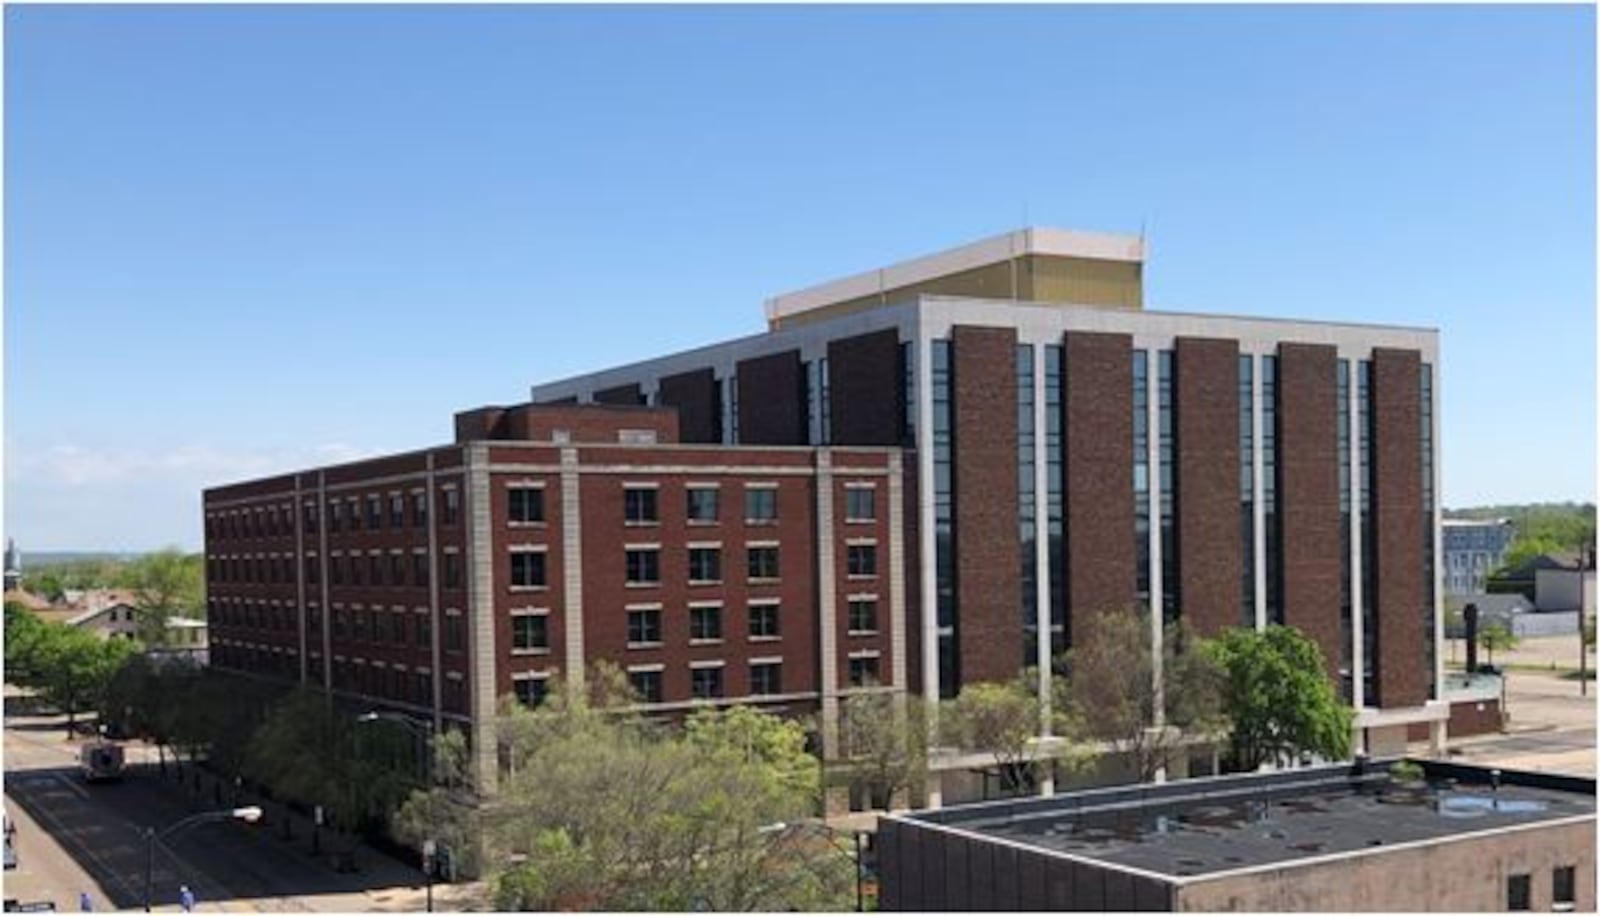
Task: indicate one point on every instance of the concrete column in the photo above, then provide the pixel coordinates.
(1258, 494)
(935, 790)
(897, 578)
(827, 619)
(572, 567)
(1041, 543)
(1358, 627)
(480, 619)
(1153, 460)
(1438, 736)
(322, 578)
(435, 612)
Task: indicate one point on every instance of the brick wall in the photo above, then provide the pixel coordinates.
(1210, 553)
(863, 378)
(1098, 401)
(772, 409)
(695, 395)
(1397, 524)
(989, 627)
(1308, 493)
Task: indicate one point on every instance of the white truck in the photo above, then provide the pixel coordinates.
(100, 761)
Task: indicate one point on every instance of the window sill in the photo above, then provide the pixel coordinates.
(530, 524)
(860, 521)
(765, 638)
(765, 580)
(535, 651)
(530, 588)
(760, 521)
(702, 522)
(858, 577)
(641, 523)
(694, 582)
(645, 645)
(862, 633)
(706, 642)
(656, 584)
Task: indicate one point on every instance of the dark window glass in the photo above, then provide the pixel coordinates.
(526, 504)
(1519, 892)
(419, 569)
(705, 623)
(397, 511)
(452, 570)
(862, 560)
(766, 678)
(424, 630)
(639, 506)
(1564, 884)
(397, 569)
(311, 518)
(647, 684)
(644, 566)
(335, 515)
(942, 377)
(530, 631)
(454, 632)
(762, 563)
(863, 615)
(375, 568)
(702, 504)
(419, 509)
(705, 683)
(858, 504)
(374, 513)
(863, 671)
(452, 506)
(764, 620)
(705, 564)
(1247, 490)
(527, 569)
(761, 505)
(644, 627)
(531, 691)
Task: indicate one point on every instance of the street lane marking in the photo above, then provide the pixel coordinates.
(73, 785)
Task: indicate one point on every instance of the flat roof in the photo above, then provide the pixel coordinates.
(1037, 240)
(1204, 827)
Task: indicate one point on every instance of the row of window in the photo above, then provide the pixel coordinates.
(646, 630)
(372, 513)
(643, 564)
(395, 683)
(376, 569)
(1563, 890)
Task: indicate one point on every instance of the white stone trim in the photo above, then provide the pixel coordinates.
(827, 611)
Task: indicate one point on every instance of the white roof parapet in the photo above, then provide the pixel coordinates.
(1041, 240)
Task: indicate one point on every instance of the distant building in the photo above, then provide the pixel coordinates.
(13, 572)
(1473, 548)
(1327, 839)
(1565, 584)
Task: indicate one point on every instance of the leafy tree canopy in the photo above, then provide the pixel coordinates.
(1278, 698)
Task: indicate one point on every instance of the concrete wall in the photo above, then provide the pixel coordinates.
(1557, 590)
(1462, 875)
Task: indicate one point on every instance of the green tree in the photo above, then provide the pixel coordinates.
(23, 633)
(1001, 719)
(884, 742)
(1110, 689)
(166, 584)
(444, 811)
(74, 668)
(599, 808)
(1496, 637)
(1277, 697)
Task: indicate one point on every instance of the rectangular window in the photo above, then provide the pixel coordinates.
(525, 505)
(397, 511)
(353, 510)
(313, 570)
(1519, 892)
(452, 506)
(644, 628)
(419, 569)
(858, 504)
(647, 684)
(374, 513)
(861, 560)
(644, 566)
(760, 505)
(764, 621)
(762, 563)
(864, 671)
(705, 683)
(424, 630)
(311, 518)
(375, 569)
(863, 615)
(454, 632)
(419, 510)
(705, 564)
(705, 623)
(766, 679)
(1564, 886)
(355, 569)
(531, 691)
(335, 515)
(527, 569)
(702, 504)
(639, 506)
(452, 570)
(397, 569)
(530, 632)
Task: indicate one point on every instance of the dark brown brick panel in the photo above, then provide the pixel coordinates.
(1210, 555)
(772, 409)
(623, 395)
(1397, 524)
(695, 396)
(1308, 494)
(989, 625)
(863, 381)
(1098, 402)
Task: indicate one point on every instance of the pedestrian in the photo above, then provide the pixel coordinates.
(186, 898)
(85, 905)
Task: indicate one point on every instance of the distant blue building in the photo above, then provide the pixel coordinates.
(1473, 548)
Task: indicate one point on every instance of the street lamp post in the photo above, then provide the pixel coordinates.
(249, 815)
(425, 732)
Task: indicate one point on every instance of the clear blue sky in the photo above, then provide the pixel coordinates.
(240, 240)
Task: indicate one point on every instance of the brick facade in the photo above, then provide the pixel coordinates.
(1397, 524)
(984, 381)
(1206, 422)
(1308, 494)
(1098, 402)
(863, 378)
(772, 400)
(696, 397)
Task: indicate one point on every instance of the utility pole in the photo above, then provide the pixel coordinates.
(1585, 557)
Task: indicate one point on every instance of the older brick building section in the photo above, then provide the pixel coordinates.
(772, 400)
(989, 633)
(1207, 431)
(1397, 524)
(696, 397)
(863, 378)
(1308, 493)
(1098, 402)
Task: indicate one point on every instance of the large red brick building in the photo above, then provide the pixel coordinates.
(1073, 453)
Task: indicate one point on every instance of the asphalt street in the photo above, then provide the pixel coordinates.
(100, 833)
